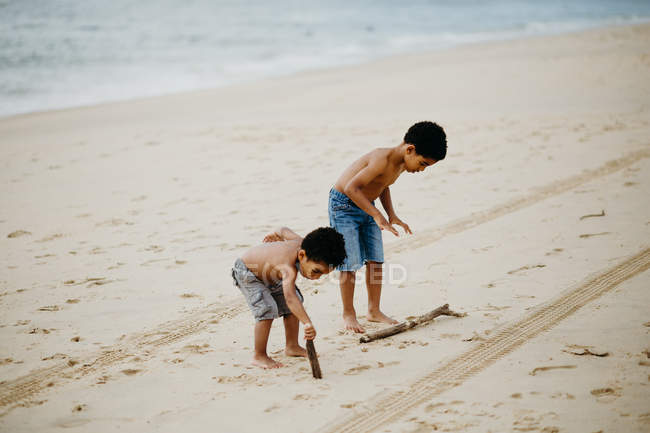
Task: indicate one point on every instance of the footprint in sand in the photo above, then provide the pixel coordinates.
(555, 251)
(195, 348)
(44, 256)
(79, 408)
(154, 248)
(95, 281)
(101, 380)
(242, 378)
(272, 408)
(525, 268)
(579, 350)
(177, 263)
(55, 356)
(433, 406)
(601, 392)
(41, 331)
(404, 344)
(18, 233)
(357, 370)
(350, 405)
(565, 395)
(386, 364)
(114, 222)
(50, 238)
(307, 397)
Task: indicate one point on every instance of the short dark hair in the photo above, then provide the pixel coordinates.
(325, 245)
(429, 140)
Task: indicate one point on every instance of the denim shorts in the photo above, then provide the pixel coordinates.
(265, 301)
(363, 242)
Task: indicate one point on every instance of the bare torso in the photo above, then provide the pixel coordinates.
(267, 260)
(376, 186)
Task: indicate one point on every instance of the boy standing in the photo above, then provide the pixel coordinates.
(353, 214)
(266, 275)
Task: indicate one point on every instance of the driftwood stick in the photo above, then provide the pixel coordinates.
(313, 360)
(401, 327)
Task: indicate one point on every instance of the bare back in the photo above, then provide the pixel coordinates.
(268, 260)
(388, 172)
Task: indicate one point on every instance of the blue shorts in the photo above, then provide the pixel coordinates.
(363, 242)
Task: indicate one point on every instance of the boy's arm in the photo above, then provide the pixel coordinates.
(387, 203)
(353, 188)
(289, 275)
(282, 234)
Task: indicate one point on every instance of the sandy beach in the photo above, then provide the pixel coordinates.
(120, 222)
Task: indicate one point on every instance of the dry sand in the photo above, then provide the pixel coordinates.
(120, 222)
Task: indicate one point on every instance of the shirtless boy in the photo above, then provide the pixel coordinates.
(266, 275)
(352, 211)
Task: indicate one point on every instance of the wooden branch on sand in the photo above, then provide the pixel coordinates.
(401, 327)
(313, 360)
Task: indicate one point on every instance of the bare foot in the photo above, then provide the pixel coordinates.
(263, 361)
(380, 317)
(295, 351)
(352, 324)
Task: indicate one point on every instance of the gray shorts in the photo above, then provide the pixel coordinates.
(266, 302)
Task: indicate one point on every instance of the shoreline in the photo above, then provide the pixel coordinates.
(297, 74)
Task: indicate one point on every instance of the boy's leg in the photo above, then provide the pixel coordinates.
(346, 281)
(346, 218)
(291, 331)
(260, 358)
(373, 284)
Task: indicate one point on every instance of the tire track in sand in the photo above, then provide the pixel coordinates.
(541, 193)
(388, 408)
(142, 344)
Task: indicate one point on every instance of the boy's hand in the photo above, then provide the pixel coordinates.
(310, 331)
(385, 225)
(399, 222)
(273, 237)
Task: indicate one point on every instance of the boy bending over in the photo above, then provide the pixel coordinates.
(266, 275)
(352, 211)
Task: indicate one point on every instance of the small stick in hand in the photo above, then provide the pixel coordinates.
(313, 360)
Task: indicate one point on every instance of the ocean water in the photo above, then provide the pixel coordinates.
(66, 53)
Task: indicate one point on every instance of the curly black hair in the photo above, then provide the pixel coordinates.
(429, 140)
(325, 245)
